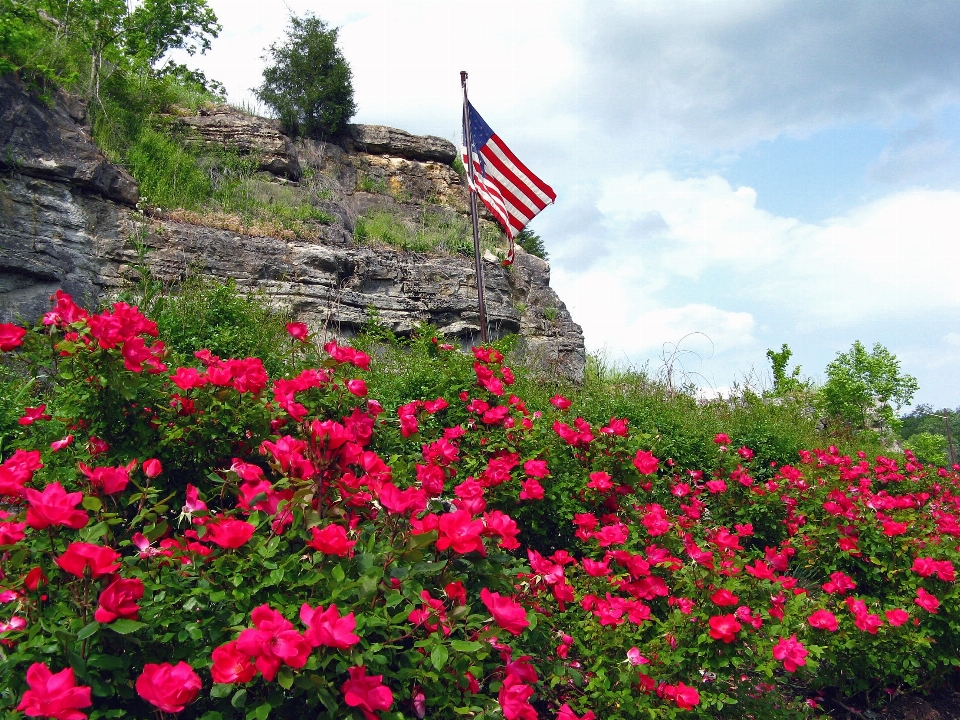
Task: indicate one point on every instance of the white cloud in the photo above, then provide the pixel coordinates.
(952, 338)
(729, 74)
(882, 259)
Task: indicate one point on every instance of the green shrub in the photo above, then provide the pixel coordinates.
(307, 82)
(863, 388)
(532, 243)
(718, 589)
(205, 313)
(928, 447)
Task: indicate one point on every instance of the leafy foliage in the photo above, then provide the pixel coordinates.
(291, 542)
(861, 386)
(133, 37)
(531, 242)
(307, 81)
(928, 447)
(784, 384)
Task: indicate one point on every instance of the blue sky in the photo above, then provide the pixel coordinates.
(730, 175)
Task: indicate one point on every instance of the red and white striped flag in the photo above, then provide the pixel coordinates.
(512, 193)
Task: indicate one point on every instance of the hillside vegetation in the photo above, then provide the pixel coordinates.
(205, 510)
(457, 538)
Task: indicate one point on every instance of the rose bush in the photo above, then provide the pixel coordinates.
(210, 541)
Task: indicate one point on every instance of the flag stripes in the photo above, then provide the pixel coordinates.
(511, 192)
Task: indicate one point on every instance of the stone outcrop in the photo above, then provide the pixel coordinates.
(49, 142)
(63, 229)
(383, 140)
(223, 126)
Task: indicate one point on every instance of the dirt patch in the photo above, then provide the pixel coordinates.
(938, 705)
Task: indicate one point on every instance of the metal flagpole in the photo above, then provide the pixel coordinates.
(468, 141)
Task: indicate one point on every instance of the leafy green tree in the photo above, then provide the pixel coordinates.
(114, 31)
(308, 82)
(531, 242)
(21, 35)
(784, 384)
(861, 386)
(157, 26)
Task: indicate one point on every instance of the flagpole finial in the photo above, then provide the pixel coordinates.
(463, 77)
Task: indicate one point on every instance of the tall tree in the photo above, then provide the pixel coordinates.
(308, 82)
(861, 386)
(111, 29)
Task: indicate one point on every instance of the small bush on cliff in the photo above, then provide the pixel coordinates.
(532, 243)
(308, 83)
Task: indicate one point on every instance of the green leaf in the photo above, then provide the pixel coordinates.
(261, 712)
(108, 662)
(125, 627)
(465, 646)
(157, 531)
(438, 656)
(221, 690)
(88, 630)
(239, 698)
(94, 532)
(92, 503)
(285, 678)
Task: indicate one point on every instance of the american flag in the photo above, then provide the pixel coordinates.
(512, 193)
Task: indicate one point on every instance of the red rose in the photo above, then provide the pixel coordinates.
(824, 620)
(792, 652)
(11, 336)
(298, 331)
(458, 530)
(81, 556)
(187, 378)
(119, 600)
(32, 414)
(273, 641)
(507, 613)
(231, 666)
(724, 597)
(326, 627)
(331, 539)
(11, 533)
(357, 387)
(54, 695)
(536, 468)
(169, 687)
(724, 627)
(54, 506)
(645, 462)
(229, 533)
(927, 601)
(366, 692)
(110, 479)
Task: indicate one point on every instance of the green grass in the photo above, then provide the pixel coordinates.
(168, 174)
(435, 232)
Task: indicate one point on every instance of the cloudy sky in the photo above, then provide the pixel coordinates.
(731, 176)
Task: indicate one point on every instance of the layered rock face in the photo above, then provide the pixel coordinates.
(67, 219)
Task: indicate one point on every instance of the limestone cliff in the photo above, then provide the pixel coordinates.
(68, 218)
